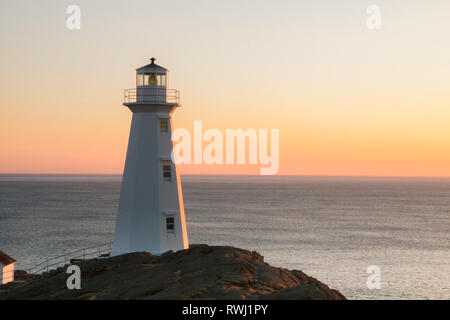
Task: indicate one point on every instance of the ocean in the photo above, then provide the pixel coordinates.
(332, 228)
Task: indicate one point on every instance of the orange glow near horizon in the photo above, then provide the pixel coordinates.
(347, 101)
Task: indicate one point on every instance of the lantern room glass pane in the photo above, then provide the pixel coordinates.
(149, 79)
(139, 79)
(162, 80)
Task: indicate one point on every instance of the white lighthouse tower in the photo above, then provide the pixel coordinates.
(151, 211)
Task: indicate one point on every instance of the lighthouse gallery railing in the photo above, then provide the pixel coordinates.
(152, 95)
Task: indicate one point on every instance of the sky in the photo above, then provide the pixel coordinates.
(347, 100)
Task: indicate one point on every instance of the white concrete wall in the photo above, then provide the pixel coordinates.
(171, 198)
(146, 197)
(7, 273)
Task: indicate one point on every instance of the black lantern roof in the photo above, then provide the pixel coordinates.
(152, 65)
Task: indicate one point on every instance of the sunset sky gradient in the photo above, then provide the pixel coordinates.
(347, 100)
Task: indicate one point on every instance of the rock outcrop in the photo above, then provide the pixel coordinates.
(200, 272)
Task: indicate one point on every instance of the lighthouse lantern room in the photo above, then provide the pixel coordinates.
(151, 212)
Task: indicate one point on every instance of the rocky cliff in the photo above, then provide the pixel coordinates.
(200, 272)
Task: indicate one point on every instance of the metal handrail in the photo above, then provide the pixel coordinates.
(161, 95)
(64, 259)
(70, 253)
(50, 263)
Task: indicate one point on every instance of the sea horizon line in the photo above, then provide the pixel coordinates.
(239, 175)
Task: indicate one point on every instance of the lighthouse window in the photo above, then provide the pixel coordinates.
(170, 224)
(149, 79)
(163, 125)
(167, 172)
